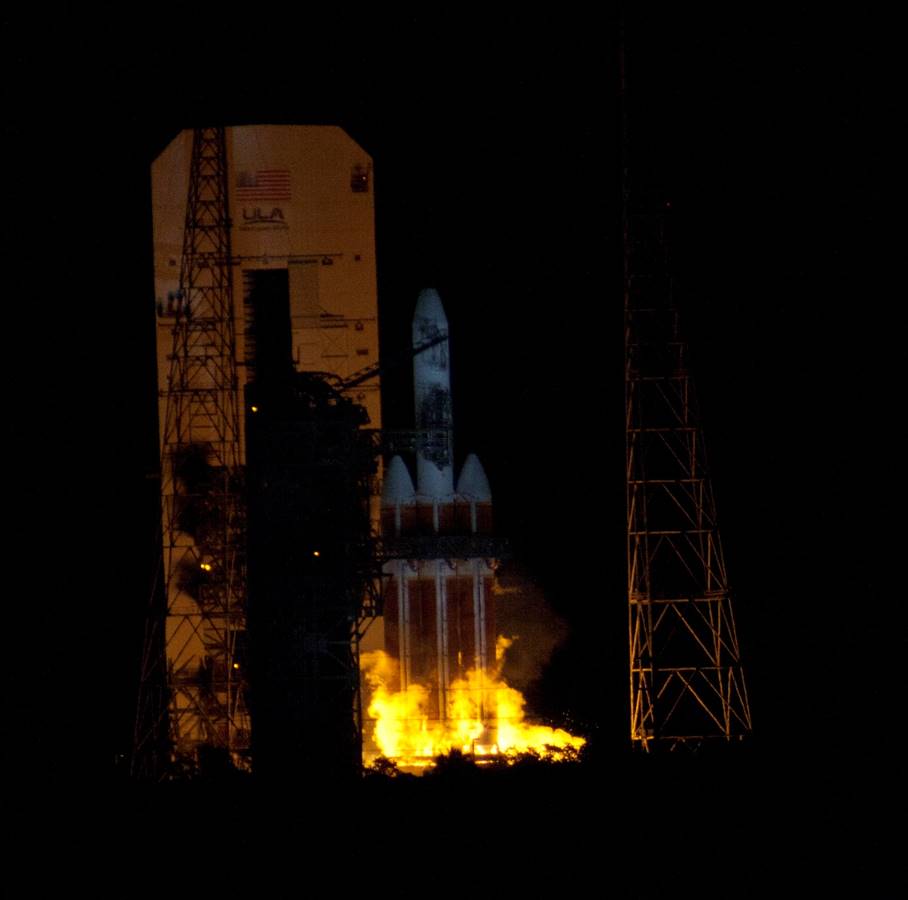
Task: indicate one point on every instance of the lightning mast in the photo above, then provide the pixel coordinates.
(686, 680)
(202, 689)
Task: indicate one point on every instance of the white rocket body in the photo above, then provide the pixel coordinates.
(432, 390)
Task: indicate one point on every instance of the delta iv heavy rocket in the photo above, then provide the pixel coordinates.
(439, 609)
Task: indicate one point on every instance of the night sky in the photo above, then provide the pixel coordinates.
(497, 181)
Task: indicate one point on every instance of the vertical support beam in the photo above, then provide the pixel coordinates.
(479, 617)
(403, 622)
(441, 612)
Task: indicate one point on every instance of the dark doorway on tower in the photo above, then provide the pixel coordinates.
(266, 304)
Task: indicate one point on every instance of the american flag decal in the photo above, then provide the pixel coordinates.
(263, 184)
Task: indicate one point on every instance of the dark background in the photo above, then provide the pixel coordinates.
(496, 147)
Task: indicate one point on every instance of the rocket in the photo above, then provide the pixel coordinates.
(439, 607)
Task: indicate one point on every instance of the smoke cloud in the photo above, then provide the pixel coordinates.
(524, 615)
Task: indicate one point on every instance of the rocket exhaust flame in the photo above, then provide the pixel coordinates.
(484, 717)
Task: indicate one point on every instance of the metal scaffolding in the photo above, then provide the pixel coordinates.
(202, 689)
(686, 680)
(314, 579)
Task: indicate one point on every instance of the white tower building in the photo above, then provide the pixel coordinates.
(302, 258)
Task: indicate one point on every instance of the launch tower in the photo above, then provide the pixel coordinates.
(264, 271)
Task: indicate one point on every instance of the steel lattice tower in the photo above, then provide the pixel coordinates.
(686, 680)
(203, 690)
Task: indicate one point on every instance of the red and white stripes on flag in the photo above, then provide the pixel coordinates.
(263, 184)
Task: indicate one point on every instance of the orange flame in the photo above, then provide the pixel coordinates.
(484, 717)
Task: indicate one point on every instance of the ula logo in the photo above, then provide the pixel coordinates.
(256, 216)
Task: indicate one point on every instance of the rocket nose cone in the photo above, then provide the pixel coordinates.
(429, 307)
(398, 486)
(473, 482)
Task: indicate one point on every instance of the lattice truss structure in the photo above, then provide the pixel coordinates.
(686, 680)
(204, 684)
(314, 581)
